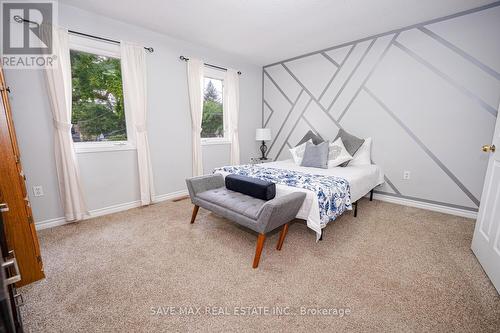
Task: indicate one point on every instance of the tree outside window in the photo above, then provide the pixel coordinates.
(97, 99)
(213, 113)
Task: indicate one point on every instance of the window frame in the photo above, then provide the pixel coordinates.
(212, 73)
(102, 48)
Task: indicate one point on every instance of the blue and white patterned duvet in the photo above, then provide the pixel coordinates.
(334, 193)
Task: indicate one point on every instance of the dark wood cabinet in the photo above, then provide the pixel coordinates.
(18, 219)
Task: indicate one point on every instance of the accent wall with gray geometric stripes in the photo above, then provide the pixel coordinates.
(428, 95)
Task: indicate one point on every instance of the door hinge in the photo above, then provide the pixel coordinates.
(39, 259)
(30, 219)
(7, 89)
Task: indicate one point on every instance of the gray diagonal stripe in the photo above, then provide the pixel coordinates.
(461, 52)
(338, 71)
(330, 59)
(413, 26)
(286, 119)
(382, 56)
(293, 128)
(309, 124)
(278, 87)
(272, 112)
(391, 185)
(447, 78)
(329, 82)
(312, 96)
(351, 74)
(262, 83)
(424, 148)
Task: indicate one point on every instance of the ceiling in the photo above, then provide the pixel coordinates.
(266, 31)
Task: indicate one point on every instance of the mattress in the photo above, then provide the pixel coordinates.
(362, 179)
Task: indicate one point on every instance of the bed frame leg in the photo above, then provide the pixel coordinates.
(355, 209)
(371, 195)
(322, 232)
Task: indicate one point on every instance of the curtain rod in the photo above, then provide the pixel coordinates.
(19, 19)
(183, 58)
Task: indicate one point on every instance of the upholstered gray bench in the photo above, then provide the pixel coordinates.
(258, 215)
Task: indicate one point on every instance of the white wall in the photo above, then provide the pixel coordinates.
(428, 95)
(110, 178)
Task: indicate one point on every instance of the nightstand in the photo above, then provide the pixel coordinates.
(257, 160)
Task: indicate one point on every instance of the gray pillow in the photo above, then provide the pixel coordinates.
(316, 156)
(316, 138)
(352, 143)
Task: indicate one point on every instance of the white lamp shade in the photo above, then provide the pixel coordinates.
(263, 134)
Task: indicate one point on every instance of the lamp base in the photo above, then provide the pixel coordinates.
(263, 150)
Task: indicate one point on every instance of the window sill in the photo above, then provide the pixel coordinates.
(102, 147)
(215, 141)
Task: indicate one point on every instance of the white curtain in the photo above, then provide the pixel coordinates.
(58, 81)
(133, 63)
(195, 69)
(232, 108)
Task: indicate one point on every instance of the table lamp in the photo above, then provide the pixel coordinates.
(263, 134)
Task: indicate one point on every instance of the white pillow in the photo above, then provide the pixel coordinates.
(364, 154)
(337, 153)
(298, 152)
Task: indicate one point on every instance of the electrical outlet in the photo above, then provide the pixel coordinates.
(38, 190)
(406, 175)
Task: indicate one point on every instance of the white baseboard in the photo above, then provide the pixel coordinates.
(171, 196)
(426, 205)
(109, 210)
(179, 194)
(50, 223)
(113, 209)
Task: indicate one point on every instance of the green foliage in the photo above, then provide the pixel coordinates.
(212, 123)
(97, 97)
(213, 117)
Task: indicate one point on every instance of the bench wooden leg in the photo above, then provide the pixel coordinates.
(371, 195)
(195, 212)
(258, 250)
(283, 232)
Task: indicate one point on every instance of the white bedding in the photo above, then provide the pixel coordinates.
(361, 179)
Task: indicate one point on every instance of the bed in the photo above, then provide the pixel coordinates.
(361, 180)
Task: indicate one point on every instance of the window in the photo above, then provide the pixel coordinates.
(213, 124)
(98, 112)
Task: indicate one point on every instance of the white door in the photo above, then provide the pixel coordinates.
(486, 240)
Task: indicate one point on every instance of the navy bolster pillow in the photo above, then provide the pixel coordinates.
(253, 187)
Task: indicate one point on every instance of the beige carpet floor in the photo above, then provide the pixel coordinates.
(395, 268)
